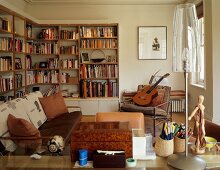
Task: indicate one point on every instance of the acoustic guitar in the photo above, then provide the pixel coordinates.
(145, 96)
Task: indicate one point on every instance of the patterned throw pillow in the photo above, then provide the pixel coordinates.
(34, 109)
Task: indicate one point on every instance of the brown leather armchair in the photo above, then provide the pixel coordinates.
(159, 110)
(136, 119)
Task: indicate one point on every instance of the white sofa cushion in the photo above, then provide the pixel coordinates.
(17, 108)
(34, 109)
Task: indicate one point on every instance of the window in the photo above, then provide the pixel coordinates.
(199, 78)
(201, 75)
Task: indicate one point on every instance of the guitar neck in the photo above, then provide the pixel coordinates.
(156, 84)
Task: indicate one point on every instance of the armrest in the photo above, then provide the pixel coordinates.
(24, 138)
(212, 130)
(168, 102)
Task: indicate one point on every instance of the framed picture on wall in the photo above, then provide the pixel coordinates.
(152, 43)
(18, 64)
(85, 57)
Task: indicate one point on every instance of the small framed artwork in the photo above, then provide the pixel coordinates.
(43, 65)
(152, 43)
(85, 57)
(18, 64)
(111, 58)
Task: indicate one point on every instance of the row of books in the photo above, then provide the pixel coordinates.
(69, 63)
(42, 77)
(19, 45)
(98, 32)
(5, 63)
(41, 48)
(99, 89)
(99, 71)
(64, 77)
(6, 44)
(68, 49)
(51, 63)
(67, 34)
(6, 83)
(18, 80)
(99, 43)
(48, 33)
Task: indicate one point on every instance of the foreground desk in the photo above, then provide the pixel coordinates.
(64, 162)
(101, 136)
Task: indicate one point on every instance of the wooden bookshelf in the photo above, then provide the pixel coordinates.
(35, 53)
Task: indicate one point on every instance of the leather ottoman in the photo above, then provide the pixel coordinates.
(101, 136)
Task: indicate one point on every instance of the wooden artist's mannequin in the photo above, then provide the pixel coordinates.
(198, 114)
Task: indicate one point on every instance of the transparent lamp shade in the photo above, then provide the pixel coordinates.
(185, 39)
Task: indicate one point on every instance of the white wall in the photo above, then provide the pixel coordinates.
(18, 6)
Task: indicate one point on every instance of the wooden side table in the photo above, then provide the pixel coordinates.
(101, 136)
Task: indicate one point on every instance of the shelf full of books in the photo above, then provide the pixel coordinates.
(6, 83)
(5, 63)
(106, 71)
(37, 56)
(93, 88)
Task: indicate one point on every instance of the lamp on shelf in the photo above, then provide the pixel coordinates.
(186, 60)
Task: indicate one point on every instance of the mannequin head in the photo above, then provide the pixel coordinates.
(201, 99)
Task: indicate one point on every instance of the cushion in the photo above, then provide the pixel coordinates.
(159, 98)
(8, 144)
(19, 127)
(145, 110)
(34, 109)
(16, 108)
(53, 106)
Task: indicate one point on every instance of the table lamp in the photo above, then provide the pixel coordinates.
(186, 60)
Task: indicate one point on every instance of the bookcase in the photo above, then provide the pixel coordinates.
(81, 60)
(99, 60)
(6, 56)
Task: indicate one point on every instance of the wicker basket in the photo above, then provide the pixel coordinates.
(179, 144)
(164, 148)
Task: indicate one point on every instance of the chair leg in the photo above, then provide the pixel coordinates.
(154, 127)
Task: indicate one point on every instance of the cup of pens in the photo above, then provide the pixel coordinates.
(164, 145)
(179, 137)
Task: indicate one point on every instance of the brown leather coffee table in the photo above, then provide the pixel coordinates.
(101, 136)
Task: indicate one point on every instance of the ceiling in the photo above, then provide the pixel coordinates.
(105, 2)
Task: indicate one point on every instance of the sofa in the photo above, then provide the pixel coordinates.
(30, 109)
(211, 129)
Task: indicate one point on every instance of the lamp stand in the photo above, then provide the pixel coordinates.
(186, 161)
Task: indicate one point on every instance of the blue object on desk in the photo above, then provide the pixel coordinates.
(83, 155)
